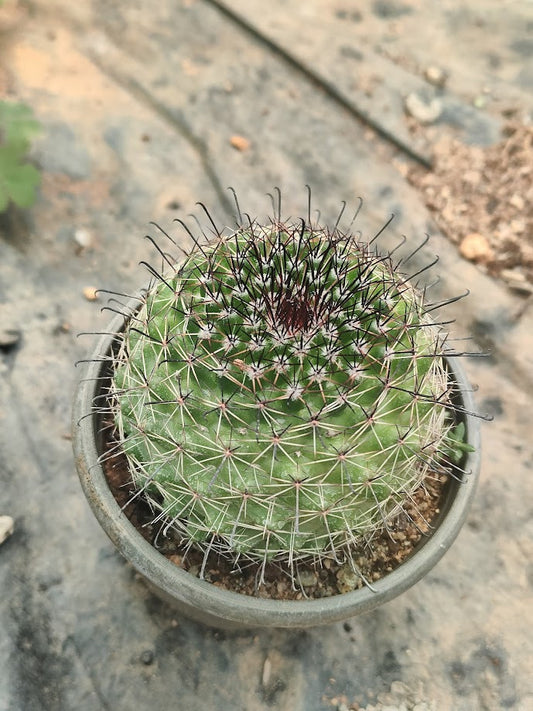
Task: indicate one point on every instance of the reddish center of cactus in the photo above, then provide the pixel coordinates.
(294, 313)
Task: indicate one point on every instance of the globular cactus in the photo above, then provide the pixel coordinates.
(281, 392)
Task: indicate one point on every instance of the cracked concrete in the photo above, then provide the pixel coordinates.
(139, 103)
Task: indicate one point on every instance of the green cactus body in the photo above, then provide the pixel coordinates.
(281, 393)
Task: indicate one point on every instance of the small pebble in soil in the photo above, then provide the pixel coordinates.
(83, 238)
(9, 338)
(517, 201)
(240, 143)
(267, 670)
(436, 76)
(90, 293)
(476, 248)
(347, 578)
(147, 657)
(307, 578)
(424, 111)
(7, 526)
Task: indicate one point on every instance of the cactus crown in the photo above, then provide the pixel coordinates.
(281, 392)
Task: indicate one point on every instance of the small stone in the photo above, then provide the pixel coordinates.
(90, 293)
(147, 657)
(476, 248)
(347, 579)
(436, 76)
(307, 578)
(83, 238)
(424, 111)
(240, 143)
(9, 338)
(517, 201)
(7, 526)
(267, 670)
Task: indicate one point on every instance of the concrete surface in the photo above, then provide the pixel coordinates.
(139, 102)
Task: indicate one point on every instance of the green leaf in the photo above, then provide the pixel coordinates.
(17, 125)
(455, 445)
(18, 181)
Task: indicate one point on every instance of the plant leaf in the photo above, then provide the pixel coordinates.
(17, 125)
(18, 180)
(455, 445)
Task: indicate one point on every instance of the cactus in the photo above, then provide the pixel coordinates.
(281, 392)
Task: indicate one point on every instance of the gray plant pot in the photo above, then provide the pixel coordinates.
(207, 603)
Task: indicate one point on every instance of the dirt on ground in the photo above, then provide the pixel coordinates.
(481, 199)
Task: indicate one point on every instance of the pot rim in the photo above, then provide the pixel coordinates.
(203, 600)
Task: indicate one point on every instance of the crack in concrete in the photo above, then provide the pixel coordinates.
(321, 82)
(175, 120)
(70, 641)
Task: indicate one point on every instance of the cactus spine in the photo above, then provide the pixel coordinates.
(281, 392)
